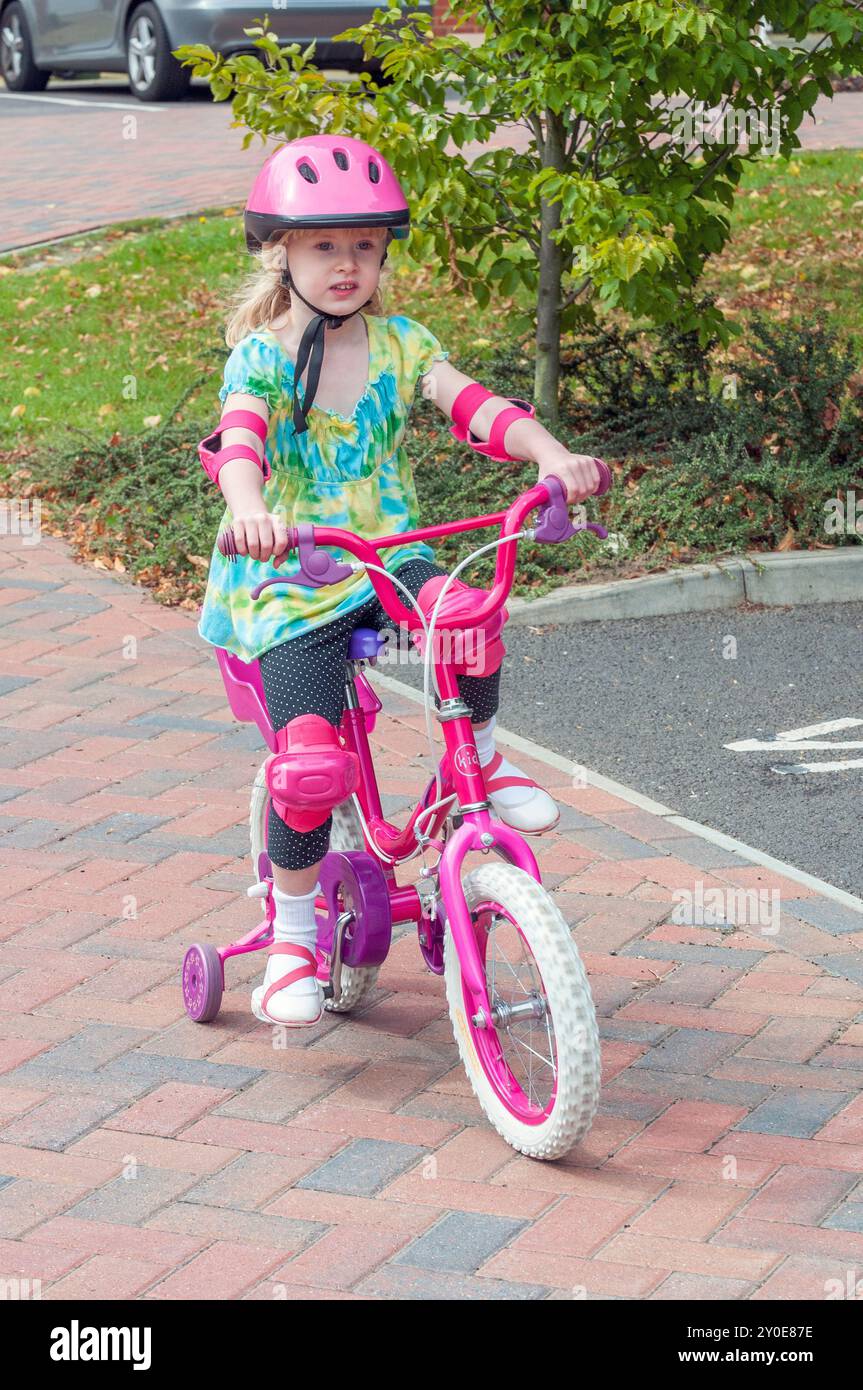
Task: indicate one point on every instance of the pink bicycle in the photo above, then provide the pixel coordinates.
(518, 996)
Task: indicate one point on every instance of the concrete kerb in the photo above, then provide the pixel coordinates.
(794, 577)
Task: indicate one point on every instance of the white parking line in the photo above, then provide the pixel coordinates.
(141, 106)
(645, 803)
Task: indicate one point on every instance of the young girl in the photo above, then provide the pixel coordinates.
(330, 451)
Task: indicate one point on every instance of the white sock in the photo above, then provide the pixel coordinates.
(294, 922)
(507, 796)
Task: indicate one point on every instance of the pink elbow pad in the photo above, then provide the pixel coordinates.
(465, 406)
(213, 458)
(474, 651)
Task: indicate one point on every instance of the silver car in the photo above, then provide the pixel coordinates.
(41, 37)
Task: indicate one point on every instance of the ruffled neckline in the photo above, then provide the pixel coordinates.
(371, 323)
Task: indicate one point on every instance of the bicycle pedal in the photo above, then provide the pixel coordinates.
(328, 991)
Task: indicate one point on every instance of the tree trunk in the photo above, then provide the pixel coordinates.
(547, 371)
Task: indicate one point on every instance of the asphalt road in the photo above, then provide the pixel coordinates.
(654, 702)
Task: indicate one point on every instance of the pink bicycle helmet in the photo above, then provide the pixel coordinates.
(323, 181)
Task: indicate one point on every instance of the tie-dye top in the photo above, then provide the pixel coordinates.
(352, 473)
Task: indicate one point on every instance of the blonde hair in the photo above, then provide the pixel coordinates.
(261, 297)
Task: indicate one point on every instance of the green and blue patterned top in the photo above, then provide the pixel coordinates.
(352, 473)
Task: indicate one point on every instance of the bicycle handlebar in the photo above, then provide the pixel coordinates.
(318, 568)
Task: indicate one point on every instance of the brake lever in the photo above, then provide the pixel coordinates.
(555, 523)
(317, 566)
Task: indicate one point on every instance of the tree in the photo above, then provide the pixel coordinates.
(635, 112)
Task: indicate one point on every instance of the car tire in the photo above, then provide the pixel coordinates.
(154, 74)
(20, 73)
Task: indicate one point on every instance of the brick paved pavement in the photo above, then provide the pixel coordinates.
(76, 168)
(144, 1156)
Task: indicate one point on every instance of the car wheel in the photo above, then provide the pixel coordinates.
(154, 75)
(20, 73)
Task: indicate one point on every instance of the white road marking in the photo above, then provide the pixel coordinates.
(805, 740)
(141, 106)
(646, 803)
(821, 767)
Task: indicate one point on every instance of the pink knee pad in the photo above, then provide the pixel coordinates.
(481, 648)
(311, 772)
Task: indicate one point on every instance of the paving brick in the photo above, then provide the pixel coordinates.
(574, 1278)
(788, 1238)
(58, 1122)
(830, 916)
(698, 955)
(423, 1188)
(339, 1258)
(749, 1170)
(225, 1270)
(205, 1224)
(789, 1039)
(154, 1069)
(405, 1283)
(766, 1074)
(248, 1182)
(795, 1112)
(801, 1195)
(686, 1288)
(153, 1151)
(132, 1200)
(841, 1057)
(690, 1211)
(848, 1217)
(353, 1123)
(709, 1089)
(690, 1256)
(17, 1257)
(25, 1203)
(691, 1127)
(460, 1243)
(669, 1016)
(782, 1149)
(800, 1278)
(106, 1277)
(363, 1167)
(384, 1086)
(577, 1226)
(847, 1126)
(690, 1050)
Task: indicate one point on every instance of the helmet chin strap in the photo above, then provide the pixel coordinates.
(312, 344)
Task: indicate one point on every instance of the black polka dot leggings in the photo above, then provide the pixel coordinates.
(307, 676)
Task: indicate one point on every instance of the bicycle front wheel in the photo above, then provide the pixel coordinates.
(535, 1065)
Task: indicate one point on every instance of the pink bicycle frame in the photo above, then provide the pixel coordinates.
(461, 770)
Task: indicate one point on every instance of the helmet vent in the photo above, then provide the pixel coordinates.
(374, 172)
(308, 172)
(341, 158)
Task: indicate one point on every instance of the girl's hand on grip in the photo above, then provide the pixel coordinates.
(261, 535)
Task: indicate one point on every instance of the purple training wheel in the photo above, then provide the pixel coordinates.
(203, 983)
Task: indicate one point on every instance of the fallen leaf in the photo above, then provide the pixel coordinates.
(118, 565)
(787, 542)
(17, 411)
(93, 291)
(151, 421)
(105, 410)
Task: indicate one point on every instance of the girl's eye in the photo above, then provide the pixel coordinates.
(329, 243)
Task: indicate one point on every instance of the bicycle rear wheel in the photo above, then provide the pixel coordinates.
(535, 1066)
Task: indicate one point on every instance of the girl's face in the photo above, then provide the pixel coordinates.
(321, 260)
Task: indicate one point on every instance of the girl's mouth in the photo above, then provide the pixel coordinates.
(352, 289)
